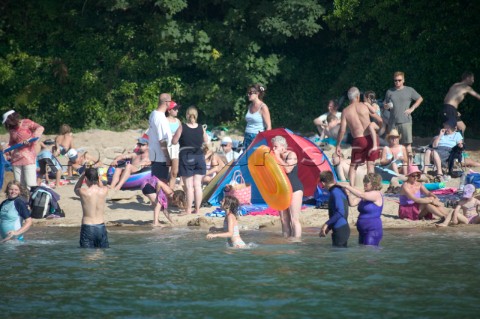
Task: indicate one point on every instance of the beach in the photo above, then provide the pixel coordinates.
(131, 208)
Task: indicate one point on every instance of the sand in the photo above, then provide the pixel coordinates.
(131, 208)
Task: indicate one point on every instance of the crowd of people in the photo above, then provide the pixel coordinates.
(174, 149)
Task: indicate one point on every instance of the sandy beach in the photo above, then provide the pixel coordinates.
(131, 208)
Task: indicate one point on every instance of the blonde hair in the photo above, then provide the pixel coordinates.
(399, 73)
(192, 114)
(375, 179)
(23, 191)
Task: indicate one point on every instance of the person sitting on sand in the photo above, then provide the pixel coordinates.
(394, 156)
(64, 141)
(230, 225)
(321, 122)
(159, 194)
(469, 207)
(412, 205)
(77, 161)
(342, 167)
(93, 233)
(46, 160)
(213, 162)
(128, 164)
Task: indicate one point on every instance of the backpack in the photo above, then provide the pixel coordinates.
(40, 204)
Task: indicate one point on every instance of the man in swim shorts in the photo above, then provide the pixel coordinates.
(357, 117)
(93, 233)
(455, 96)
(337, 212)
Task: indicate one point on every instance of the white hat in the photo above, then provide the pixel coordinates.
(226, 140)
(72, 154)
(6, 115)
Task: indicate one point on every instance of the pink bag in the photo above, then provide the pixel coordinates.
(239, 189)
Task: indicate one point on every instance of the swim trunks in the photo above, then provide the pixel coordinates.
(93, 236)
(450, 115)
(340, 236)
(362, 150)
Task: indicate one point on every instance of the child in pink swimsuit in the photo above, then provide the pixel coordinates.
(469, 206)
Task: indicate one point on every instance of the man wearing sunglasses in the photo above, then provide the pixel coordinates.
(401, 108)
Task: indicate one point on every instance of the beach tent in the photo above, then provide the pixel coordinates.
(311, 161)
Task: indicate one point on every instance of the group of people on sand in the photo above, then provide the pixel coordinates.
(175, 149)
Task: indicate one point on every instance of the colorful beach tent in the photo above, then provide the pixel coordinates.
(311, 161)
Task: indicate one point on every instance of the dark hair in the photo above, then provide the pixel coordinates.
(65, 129)
(91, 174)
(260, 89)
(370, 95)
(231, 203)
(335, 103)
(375, 179)
(326, 177)
(12, 121)
(467, 74)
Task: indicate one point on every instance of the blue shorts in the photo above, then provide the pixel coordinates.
(93, 236)
(191, 164)
(370, 231)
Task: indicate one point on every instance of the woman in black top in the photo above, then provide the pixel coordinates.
(191, 166)
(289, 218)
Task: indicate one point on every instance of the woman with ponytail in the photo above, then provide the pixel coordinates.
(258, 115)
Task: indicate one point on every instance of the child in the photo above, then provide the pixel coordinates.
(230, 224)
(470, 207)
(15, 217)
(158, 193)
(46, 159)
(375, 125)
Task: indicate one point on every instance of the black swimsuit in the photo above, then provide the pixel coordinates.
(294, 180)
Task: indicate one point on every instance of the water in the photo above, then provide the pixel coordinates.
(418, 273)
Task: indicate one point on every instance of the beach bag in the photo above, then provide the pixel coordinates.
(239, 189)
(473, 178)
(40, 204)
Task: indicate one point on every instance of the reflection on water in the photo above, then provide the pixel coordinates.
(178, 274)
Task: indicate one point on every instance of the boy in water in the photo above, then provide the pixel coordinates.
(93, 233)
(337, 212)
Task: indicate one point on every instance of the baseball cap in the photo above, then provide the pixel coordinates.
(468, 191)
(172, 104)
(6, 115)
(226, 140)
(142, 140)
(72, 155)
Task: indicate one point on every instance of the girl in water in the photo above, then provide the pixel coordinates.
(15, 217)
(230, 224)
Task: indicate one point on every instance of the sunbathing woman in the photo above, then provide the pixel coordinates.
(64, 141)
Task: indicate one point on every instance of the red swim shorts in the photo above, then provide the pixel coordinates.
(362, 150)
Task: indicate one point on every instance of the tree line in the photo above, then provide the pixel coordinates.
(102, 64)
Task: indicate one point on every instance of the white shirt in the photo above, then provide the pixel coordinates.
(232, 155)
(159, 130)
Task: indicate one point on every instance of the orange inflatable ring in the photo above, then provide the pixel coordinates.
(270, 178)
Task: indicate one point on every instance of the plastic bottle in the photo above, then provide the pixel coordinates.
(462, 183)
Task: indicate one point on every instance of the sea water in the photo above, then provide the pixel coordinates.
(171, 273)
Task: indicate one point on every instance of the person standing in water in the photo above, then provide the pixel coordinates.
(93, 233)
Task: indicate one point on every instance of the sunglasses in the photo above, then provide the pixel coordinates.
(416, 175)
(175, 108)
(398, 80)
(223, 145)
(140, 144)
(252, 92)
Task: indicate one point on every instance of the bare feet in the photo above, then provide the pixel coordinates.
(441, 225)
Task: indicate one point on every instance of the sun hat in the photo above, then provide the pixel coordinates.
(171, 105)
(6, 115)
(226, 140)
(393, 133)
(72, 155)
(468, 191)
(142, 140)
(413, 169)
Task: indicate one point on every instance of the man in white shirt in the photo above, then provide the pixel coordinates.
(160, 137)
(229, 153)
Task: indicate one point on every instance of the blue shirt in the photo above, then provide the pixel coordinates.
(337, 208)
(450, 140)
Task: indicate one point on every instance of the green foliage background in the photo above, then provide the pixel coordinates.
(102, 64)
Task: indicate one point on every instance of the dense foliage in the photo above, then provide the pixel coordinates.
(103, 63)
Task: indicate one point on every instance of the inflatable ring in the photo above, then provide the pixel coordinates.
(270, 178)
(135, 180)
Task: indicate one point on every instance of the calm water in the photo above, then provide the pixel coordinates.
(178, 274)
